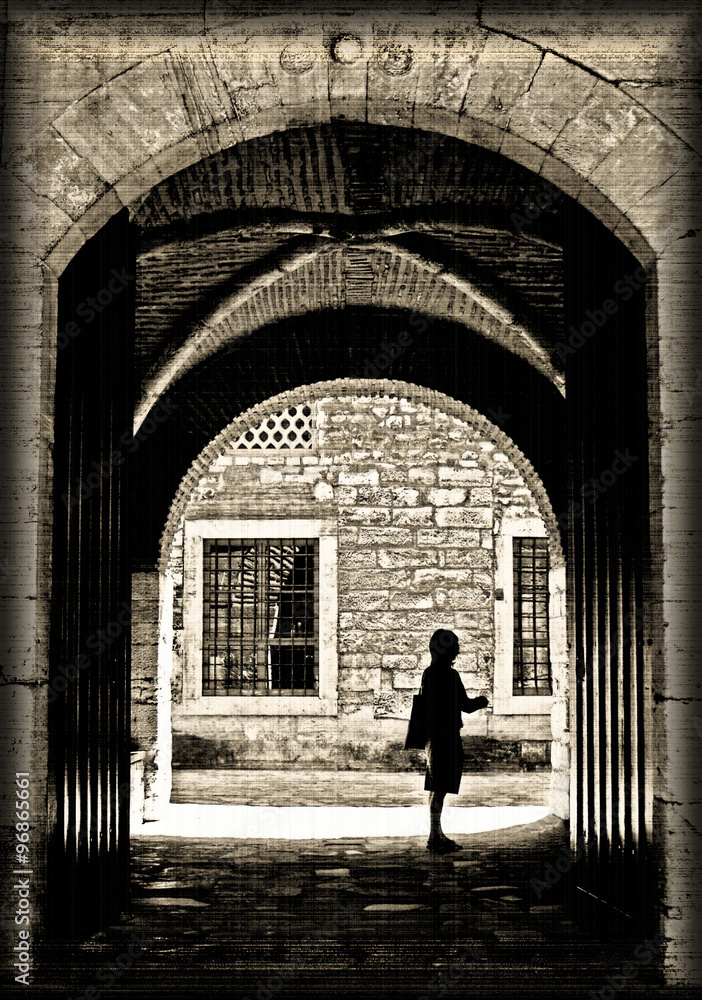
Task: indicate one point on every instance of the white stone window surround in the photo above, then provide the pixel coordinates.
(325, 702)
(504, 701)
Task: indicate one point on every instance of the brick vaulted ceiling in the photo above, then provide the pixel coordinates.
(207, 231)
(215, 230)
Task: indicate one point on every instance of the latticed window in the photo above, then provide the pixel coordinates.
(260, 617)
(290, 429)
(532, 664)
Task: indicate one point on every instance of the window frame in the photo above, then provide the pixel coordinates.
(505, 701)
(262, 601)
(537, 634)
(322, 703)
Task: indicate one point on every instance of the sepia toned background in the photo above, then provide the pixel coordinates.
(465, 238)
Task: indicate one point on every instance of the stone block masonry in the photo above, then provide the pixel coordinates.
(415, 529)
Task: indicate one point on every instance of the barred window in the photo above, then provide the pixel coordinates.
(532, 664)
(260, 617)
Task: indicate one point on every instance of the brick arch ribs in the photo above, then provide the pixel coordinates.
(379, 275)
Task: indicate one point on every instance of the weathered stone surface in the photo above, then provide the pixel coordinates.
(606, 113)
(474, 517)
(364, 558)
(56, 171)
(675, 102)
(424, 475)
(364, 600)
(555, 96)
(378, 537)
(359, 679)
(365, 515)
(644, 159)
(429, 578)
(136, 96)
(503, 72)
(396, 558)
(468, 597)
(446, 498)
(402, 602)
(400, 679)
(447, 474)
(417, 516)
(358, 478)
(460, 558)
(395, 662)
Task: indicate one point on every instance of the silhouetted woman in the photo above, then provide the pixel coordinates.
(445, 698)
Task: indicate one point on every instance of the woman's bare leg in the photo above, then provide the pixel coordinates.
(436, 804)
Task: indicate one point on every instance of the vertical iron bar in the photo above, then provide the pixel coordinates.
(242, 593)
(229, 663)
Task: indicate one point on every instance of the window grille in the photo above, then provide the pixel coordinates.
(290, 429)
(532, 664)
(261, 615)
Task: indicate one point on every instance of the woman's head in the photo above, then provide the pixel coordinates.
(443, 646)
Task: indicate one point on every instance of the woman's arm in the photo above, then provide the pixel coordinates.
(465, 703)
(473, 704)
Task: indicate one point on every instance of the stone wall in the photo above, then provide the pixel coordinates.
(418, 495)
(150, 690)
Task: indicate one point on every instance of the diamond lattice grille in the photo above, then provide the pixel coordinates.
(289, 429)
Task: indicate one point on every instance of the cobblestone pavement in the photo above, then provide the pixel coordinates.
(370, 888)
(277, 918)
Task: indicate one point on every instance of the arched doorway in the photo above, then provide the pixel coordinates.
(602, 770)
(446, 503)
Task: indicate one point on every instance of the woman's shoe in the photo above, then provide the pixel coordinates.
(442, 846)
(452, 845)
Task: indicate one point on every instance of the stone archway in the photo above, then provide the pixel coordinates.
(174, 689)
(567, 124)
(77, 176)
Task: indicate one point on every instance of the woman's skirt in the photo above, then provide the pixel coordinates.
(444, 764)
